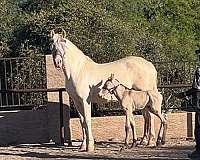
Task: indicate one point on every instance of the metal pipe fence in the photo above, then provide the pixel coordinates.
(22, 73)
(29, 73)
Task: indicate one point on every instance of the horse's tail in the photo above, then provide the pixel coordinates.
(155, 88)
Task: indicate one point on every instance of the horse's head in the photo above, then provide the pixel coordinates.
(109, 86)
(57, 48)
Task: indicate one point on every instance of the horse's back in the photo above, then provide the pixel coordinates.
(133, 72)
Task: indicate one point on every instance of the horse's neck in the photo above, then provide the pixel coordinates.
(119, 92)
(73, 60)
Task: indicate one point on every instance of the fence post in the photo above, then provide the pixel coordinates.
(62, 137)
(189, 126)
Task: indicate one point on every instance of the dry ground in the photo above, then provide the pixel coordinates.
(173, 149)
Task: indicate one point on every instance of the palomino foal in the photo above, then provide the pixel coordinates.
(132, 100)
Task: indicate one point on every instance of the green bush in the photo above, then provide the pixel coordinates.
(105, 30)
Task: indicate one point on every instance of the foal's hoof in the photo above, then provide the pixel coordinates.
(158, 143)
(133, 145)
(162, 142)
(125, 146)
(151, 144)
(143, 142)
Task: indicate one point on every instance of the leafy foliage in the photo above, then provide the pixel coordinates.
(105, 30)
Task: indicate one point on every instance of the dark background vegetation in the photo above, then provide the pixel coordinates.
(105, 30)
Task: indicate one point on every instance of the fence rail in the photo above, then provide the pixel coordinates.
(19, 77)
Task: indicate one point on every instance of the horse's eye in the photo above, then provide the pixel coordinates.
(52, 47)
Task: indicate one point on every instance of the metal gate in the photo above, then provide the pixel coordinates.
(22, 73)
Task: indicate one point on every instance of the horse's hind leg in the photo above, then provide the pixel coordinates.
(145, 137)
(163, 125)
(164, 132)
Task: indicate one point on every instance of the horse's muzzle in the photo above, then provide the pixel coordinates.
(58, 61)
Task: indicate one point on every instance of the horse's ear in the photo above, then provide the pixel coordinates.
(52, 33)
(63, 33)
(112, 76)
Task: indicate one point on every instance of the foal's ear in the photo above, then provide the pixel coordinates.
(112, 76)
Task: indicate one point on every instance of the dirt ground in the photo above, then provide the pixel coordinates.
(173, 149)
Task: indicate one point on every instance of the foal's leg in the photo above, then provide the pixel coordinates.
(127, 127)
(132, 121)
(151, 130)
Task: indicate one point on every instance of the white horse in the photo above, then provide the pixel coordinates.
(132, 100)
(84, 79)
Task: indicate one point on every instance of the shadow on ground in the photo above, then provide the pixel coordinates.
(104, 150)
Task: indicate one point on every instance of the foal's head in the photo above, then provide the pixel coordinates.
(110, 85)
(57, 47)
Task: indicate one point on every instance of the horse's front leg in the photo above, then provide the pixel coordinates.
(86, 112)
(80, 112)
(83, 144)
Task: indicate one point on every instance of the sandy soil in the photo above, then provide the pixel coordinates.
(173, 149)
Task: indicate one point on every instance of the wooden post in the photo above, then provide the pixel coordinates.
(189, 126)
(62, 137)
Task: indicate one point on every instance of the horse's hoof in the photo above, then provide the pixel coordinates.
(90, 149)
(82, 148)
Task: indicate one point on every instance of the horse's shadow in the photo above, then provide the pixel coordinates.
(53, 151)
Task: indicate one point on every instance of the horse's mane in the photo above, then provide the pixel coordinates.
(74, 48)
